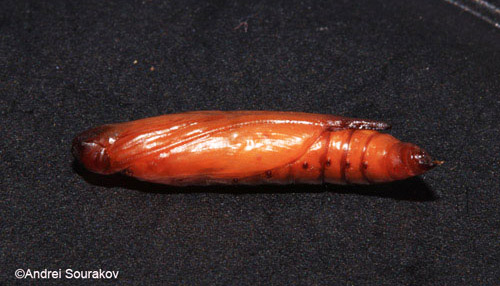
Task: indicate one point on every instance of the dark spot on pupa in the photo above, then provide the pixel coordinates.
(347, 164)
(127, 172)
(269, 174)
(365, 165)
(330, 128)
(328, 162)
(305, 165)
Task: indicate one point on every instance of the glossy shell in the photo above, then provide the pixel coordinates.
(250, 147)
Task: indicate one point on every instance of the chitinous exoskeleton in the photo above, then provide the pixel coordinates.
(250, 147)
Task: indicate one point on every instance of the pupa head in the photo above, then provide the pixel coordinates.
(90, 148)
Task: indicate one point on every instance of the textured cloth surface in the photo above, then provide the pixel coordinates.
(428, 69)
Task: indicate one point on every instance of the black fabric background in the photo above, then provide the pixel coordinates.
(427, 68)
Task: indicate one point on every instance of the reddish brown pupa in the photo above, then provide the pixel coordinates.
(250, 147)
